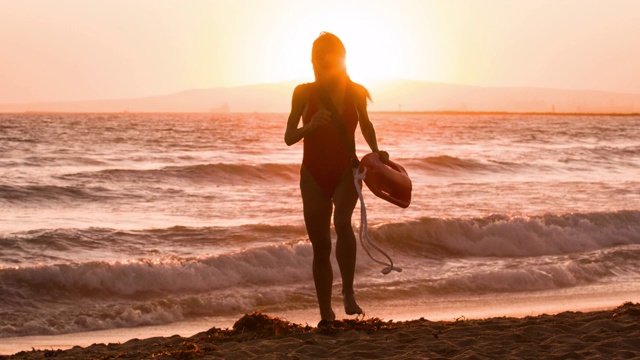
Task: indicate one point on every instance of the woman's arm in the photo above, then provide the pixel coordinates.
(368, 132)
(293, 133)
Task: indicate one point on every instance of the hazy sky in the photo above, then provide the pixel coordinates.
(96, 49)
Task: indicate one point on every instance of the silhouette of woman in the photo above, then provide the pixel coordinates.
(326, 178)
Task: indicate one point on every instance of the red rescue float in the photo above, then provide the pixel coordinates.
(388, 181)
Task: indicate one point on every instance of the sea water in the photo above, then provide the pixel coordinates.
(114, 221)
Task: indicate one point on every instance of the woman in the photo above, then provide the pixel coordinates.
(326, 178)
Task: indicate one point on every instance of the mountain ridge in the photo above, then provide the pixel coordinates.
(388, 95)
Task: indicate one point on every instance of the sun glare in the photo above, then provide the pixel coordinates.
(373, 57)
(375, 48)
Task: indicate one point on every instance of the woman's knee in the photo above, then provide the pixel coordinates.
(321, 250)
(343, 227)
(342, 216)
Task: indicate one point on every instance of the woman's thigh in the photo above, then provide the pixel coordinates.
(345, 199)
(317, 208)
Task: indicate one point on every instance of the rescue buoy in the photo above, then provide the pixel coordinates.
(388, 181)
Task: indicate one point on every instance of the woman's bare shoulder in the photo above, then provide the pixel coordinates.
(360, 93)
(300, 98)
(302, 90)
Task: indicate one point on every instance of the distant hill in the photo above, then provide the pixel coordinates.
(262, 98)
(388, 95)
(420, 96)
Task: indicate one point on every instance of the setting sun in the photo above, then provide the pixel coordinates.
(376, 46)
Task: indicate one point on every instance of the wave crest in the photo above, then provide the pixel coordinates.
(503, 236)
(220, 173)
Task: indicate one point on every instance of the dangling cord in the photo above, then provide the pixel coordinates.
(357, 177)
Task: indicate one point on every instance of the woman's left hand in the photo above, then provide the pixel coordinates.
(384, 156)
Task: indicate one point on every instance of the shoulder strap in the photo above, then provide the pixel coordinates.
(339, 122)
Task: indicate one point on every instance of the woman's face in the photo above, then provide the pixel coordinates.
(329, 65)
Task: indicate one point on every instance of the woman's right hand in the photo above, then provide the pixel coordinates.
(320, 118)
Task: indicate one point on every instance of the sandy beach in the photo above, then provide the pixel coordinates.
(610, 334)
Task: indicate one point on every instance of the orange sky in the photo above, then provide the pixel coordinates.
(100, 49)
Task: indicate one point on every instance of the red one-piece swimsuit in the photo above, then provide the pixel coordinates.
(326, 156)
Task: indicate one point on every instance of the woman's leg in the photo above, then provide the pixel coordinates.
(317, 218)
(345, 199)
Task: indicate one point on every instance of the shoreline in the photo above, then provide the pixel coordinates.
(439, 309)
(609, 333)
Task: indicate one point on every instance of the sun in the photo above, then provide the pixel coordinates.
(375, 44)
(373, 57)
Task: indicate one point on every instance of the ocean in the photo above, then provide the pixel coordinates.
(120, 221)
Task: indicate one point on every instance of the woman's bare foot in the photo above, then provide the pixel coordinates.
(350, 305)
(327, 315)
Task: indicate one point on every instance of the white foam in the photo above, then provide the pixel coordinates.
(503, 236)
